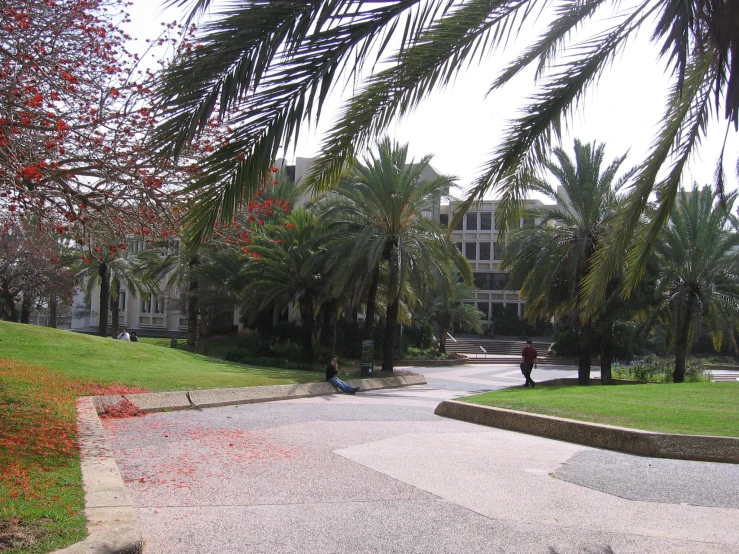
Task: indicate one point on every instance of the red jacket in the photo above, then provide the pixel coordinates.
(529, 354)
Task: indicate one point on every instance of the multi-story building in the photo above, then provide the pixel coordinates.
(477, 238)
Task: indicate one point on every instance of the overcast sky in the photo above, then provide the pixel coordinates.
(461, 127)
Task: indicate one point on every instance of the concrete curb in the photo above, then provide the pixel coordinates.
(211, 398)
(701, 448)
(430, 363)
(111, 519)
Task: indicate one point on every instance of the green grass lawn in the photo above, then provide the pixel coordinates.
(686, 408)
(134, 363)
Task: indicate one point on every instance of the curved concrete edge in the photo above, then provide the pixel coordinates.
(701, 448)
(111, 519)
(211, 398)
(430, 363)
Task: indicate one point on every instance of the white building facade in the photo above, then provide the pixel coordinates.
(478, 238)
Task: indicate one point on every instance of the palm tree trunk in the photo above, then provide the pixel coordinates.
(264, 332)
(192, 309)
(442, 341)
(585, 357)
(115, 289)
(606, 355)
(104, 298)
(369, 319)
(53, 307)
(306, 314)
(26, 304)
(391, 325)
(681, 349)
(205, 330)
(327, 323)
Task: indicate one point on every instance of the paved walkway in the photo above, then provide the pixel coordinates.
(378, 472)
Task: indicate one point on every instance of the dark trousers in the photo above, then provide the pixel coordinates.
(526, 370)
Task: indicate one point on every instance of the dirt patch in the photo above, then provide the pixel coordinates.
(15, 534)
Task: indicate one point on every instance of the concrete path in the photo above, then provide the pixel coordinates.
(378, 472)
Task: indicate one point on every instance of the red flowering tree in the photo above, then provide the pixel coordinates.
(73, 113)
(31, 269)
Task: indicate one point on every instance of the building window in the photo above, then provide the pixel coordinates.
(122, 301)
(470, 250)
(497, 310)
(484, 250)
(484, 307)
(486, 221)
(458, 226)
(472, 221)
(500, 280)
(152, 305)
(497, 251)
(529, 221)
(444, 220)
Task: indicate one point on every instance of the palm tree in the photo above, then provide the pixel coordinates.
(376, 219)
(279, 61)
(550, 262)
(111, 269)
(698, 273)
(448, 311)
(282, 272)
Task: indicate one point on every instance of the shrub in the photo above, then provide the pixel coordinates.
(414, 353)
(660, 371)
(565, 343)
(244, 357)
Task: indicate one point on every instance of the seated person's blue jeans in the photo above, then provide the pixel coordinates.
(341, 385)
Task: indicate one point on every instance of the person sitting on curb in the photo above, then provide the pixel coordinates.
(332, 371)
(528, 362)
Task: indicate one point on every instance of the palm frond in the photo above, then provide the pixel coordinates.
(529, 137)
(685, 121)
(431, 62)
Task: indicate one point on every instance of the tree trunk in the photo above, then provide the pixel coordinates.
(332, 342)
(264, 332)
(192, 308)
(585, 356)
(391, 325)
(205, 319)
(115, 290)
(442, 340)
(53, 307)
(681, 350)
(9, 300)
(327, 324)
(26, 305)
(369, 319)
(306, 314)
(104, 274)
(606, 355)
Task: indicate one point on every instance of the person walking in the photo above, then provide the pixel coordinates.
(528, 362)
(332, 371)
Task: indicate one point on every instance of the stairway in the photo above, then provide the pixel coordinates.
(496, 351)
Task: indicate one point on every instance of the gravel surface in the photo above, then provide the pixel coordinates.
(654, 479)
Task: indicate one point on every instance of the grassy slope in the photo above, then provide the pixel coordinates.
(134, 364)
(687, 408)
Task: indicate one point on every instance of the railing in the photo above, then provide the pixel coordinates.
(451, 337)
